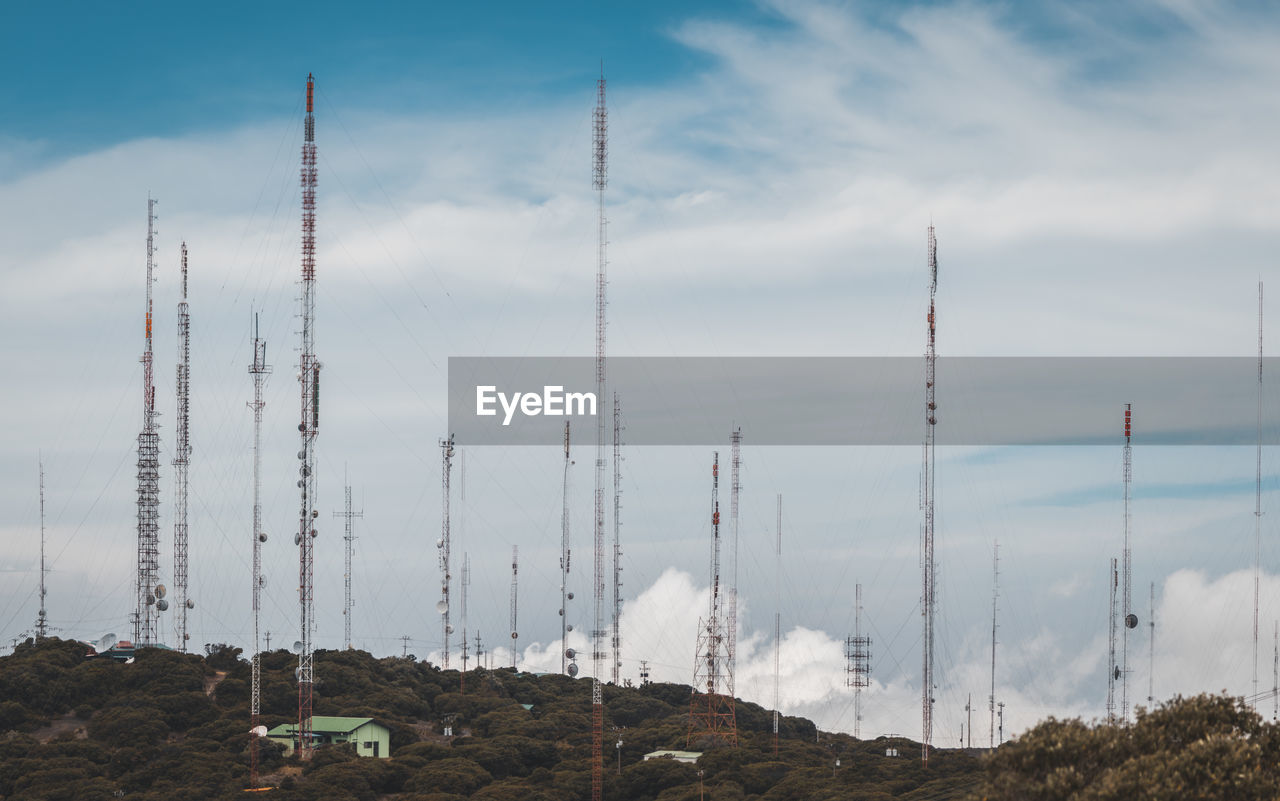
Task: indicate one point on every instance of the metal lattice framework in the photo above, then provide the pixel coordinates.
(145, 616)
(929, 582)
(42, 617)
(1129, 620)
(259, 369)
(995, 599)
(348, 539)
(444, 546)
(1257, 512)
(181, 465)
(617, 539)
(308, 428)
(565, 556)
(777, 628)
(515, 631)
(711, 707)
(1113, 671)
(599, 175)
(857, 655)
(731, 625)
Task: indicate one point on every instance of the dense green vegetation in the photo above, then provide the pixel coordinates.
(174, 725)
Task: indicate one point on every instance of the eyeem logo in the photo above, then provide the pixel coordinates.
(553, 402)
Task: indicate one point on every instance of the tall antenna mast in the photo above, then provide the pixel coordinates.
(928, 601)
(181, 462)
(42, 621)
(731, 629)
(348, 539)
(1113, 671)
(145, 612)
(1151, 666)
(1275, 676)
(1130, 619)
(777, 626)
(515, 632)
(617, 540)
(599, 175)
(466, 589)
(857, 652)
(446, 455)
(308, 427)
(259, 370)
(1257, 510)
(565, 555)
(995, 598)
(713, 713)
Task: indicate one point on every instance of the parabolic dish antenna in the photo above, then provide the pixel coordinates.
(107, 641)
(297, 646)
(442, 607)
(258, 731)
(162, 605)
(573, 670)
(160, 590)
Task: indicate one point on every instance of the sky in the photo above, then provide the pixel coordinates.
(1101, 177)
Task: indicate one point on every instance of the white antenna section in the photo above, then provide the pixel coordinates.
(777, 627)
(995, 600)
(1257, 511)
(565, 554)
(348, 539)
(617, 540)
(515, 631)
(1113, 671)
(42, 621)
(443, 545)
(259, 370)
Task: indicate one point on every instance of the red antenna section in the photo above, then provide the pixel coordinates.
(311, 92)
(1128, 421)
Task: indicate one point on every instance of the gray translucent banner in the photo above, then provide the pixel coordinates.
(867, 401)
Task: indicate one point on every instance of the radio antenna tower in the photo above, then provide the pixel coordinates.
(466, 589)
(1113, 671)
(712, 714)
(42, 620)
(181, 462)
(600, 180)
(995, 599)
(565, 555)
(146, 613)
(857, 654)
(777, 626)
(731, 629)
(446, 455)
(1275, 676)
(348, 539)
(308, 427)
(1257, 509)
(1130, 619)
(928, 600)
(259, 370)
(1151, 665)
(617, 540)
(515, 632)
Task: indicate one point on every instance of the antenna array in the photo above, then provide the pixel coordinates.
(181, 465)
(145, 616)
(259, 369)
(928, 599)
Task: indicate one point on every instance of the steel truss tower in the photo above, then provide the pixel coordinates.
(565, 555)
(731, 627)
(515, 632)
(259, 369)
(1130, 620)
(1257, 511)
(348, 539)
(444, 545)
(777, 626)
(857, 654)
(929, 583)
(599, 175)
(617, 540)
(181, 464)
(146, 613)
(712, 713)
(1113, 671)
(995, 601)
(466, 590)
(308, 427)
(42, 617)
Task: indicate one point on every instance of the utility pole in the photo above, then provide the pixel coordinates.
(928, 600)
(348, 539)
(146, 612)
(599, 182)
(404, 647)
(181, 464)
(259, 369)
(308, 428)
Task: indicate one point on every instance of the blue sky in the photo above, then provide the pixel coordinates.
(1102, 178)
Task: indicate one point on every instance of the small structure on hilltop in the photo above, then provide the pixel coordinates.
(371, 738)
(677, 756)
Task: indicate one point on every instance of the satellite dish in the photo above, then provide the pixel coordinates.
(570, 653)
(297, 673)
(191, 604)
(570, 596)
(162, 605)
(442, 607)
(448, 629)
(302, 454)
(297, 539)
(106, 643)
(573, 670)
(439, 543)
(515, 635)
(297, 646)
(315, 513)
(262, 536)
(1130, 621)
(160, 591)
(313, 533)
(568, 628)
(1117, 672)
(129, 661)
(151, 599)
(258, 731)
(561, 613)
(299, 482)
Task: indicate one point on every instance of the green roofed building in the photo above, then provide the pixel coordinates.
(370, 737)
